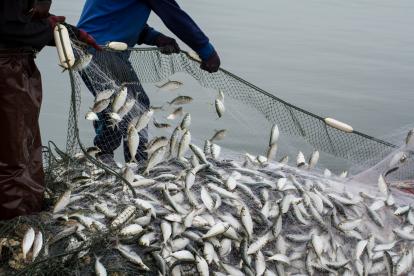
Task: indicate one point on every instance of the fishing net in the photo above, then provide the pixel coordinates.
(306, 129)
(82, 232)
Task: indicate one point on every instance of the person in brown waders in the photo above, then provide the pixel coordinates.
(25, 28)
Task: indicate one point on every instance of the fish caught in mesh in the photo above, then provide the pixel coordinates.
(210, 216)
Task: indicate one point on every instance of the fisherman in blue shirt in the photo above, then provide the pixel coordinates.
(126, 21)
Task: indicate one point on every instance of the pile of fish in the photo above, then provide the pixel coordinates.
(195, 213)
(187, 211)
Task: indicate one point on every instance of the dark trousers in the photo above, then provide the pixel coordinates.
(115, 66)
(21, 168)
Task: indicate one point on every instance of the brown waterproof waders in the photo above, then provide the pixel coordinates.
(21, 170)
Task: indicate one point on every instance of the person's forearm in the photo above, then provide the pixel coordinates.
(181, 24)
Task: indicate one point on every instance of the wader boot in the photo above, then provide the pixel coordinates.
(21, 168)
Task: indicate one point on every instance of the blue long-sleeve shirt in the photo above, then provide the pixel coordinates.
(126, 21)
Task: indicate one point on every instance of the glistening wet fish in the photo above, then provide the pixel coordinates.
(103, 95)
(27, 242)
(91, 116)
(176, 113)
(160, 125)
(180, 100)
(170, 85)
(100, 106)
(155, 158)
(185, 123)
(119, 99)
(82, 63)
(220, 108)
(219, 135)
(100, 270)
(133, 142)
(409, 140)
(62, 202)
(274, 135)
(126, 108)
(144, 119)
(37, 245)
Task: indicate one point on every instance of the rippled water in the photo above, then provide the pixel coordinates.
(351, 60)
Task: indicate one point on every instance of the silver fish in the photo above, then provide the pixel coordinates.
(274, 135)
(220, 109)
(170, 85)
(216, 230)
(220, 96)
(115, 118)
(313, 160)
(131, 230)
(176, 113)
(166, 230)
(147, 239)
(271, 152)
(215, 150)
(160, 125)
(199, 154)
(100, 106)
(100, 270)
(133, 142)
(28, 240)
(300, 160)
(174, 141)
(409, 140)
(126, 108)
(202, 266)
(219, 135)
(133, 257)
(157, 157)
(247, 221)
(103, 95)
(62, 202)
(91, 116)
(37, 245)
(82, 63)
(119, 99)
(185, 123)
(144, 119)
(180, 100)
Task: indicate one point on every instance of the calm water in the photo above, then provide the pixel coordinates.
(351, 60)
